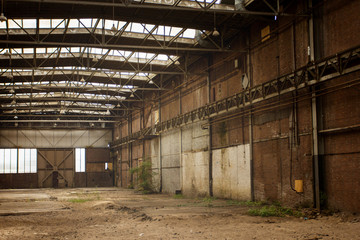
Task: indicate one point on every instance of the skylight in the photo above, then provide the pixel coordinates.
(97, 24)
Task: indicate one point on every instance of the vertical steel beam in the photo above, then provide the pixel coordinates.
(180, 142)
(210, 63)
(130, 146)
(249, 73)
(120, 159)
(315, 149)
(160, 158)
(314, 117)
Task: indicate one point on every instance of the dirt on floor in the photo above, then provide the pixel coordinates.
(113, 213)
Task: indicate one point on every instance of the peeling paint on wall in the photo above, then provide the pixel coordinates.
(231, 172)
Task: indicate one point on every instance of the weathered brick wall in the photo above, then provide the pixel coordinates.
(282, 147)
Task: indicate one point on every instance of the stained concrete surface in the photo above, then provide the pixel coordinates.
(21, 202)
(113, 213)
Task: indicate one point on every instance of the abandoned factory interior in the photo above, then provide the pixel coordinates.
(234, 103)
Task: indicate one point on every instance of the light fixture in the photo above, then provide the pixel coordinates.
(151, 81)
(11, 91)
(108, 112)
(215, 33)
(58, 119)
(14, 111)
(177, 62)
(16, 117)
(55, 124)
(95, 59)
(99, 119)
(118, 105)
(7, 53)
(114, 29)
(62, 111)
(13, 101)
(132, 95)
(92, 125)
(82, 79)
(2, 16)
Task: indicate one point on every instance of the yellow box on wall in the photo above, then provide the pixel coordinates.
(299, 186)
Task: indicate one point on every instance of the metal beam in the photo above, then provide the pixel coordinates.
(314, 73)
(151, 49)
(189, 7)
(56, 121)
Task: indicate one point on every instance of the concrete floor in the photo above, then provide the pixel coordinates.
(113, 213)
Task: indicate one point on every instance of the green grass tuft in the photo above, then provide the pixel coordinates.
(243, 203)
(178, 196)
(274, 211)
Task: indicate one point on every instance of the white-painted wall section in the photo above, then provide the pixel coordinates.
(170, 158)
(195, 173)
(195, 160)
(231, 172)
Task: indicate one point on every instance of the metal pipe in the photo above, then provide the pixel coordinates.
(340, 129)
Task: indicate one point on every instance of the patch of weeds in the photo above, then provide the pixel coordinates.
(144, 177)
(79, 200)
(254, 204)
(274, 211)
(182, 205)
(178, 196)
(208, 201)
(244, 203)
(234, 202)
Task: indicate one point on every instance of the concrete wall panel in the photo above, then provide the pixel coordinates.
(170, 157)
(231, 172)
(195, 173)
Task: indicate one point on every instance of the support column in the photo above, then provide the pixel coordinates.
(130, 147)
(180, 142)
(314, 116)
(160, 159)
(210, 62)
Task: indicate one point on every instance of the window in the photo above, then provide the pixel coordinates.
(23, 160)
(27, 161)
(79, 159)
